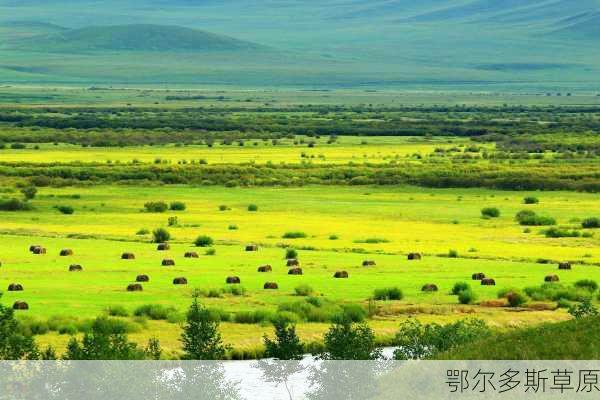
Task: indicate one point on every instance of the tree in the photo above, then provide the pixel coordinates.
(201, 338)
(29, 192)
(346, 340)
(287, 345)
(106, 341)
(161, 235)
(15, 345)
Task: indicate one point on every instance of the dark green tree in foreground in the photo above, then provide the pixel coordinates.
(105, 341)
(346, 340)
(286, 345)
(201, 338)
(14, 344)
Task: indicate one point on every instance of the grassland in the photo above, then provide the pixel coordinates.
(334, 166)
(106, 220)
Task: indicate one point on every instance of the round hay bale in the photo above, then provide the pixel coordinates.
(142, 278)
(271, 286)
(295, 271)
(168, 263)
(551, 278)
(233, 280)
(15, 287)
(252, 247)
(39, 250)
(415, 256)
(478, 276)
(369, 263)
(265, 268)
(163, 247)
(488, 282)
(564, 266)
(66, 252)
(341, 275)
(127, 256)
(191, 254)
(20, 305)
(33, 246)
(292, 262)
(75, 268)
(180, 281)
(430, 287)
(135, 287)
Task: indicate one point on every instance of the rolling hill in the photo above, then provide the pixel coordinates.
(389, 43)
(132, 38)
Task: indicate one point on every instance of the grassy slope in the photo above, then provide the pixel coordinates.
(569, 340)
(348, 43)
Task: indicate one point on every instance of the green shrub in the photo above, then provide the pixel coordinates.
(490, 212)
(223, 207)
(252, 208)
(142, 232)
(14, 205)
(290, 254)
(466, 296)
(556, 292)
(390, 293)
(294, 235)
(354, 312)
(460, 287)
(418, 341)
(452, 254)
(333, 237)
(161, 235)
(303, 290)
(591, 223)
(235, 290)
(254, 317)
(203, 241)
(583, 310)
(210, 252)
(117, 311)
(173, 221)
(516, 299)
(177, 206)
(156, 206)
(153, 311)
(587, 284)
(561, 233)
(233, 227)
(530, 218)
(67, 210)
(531, 200)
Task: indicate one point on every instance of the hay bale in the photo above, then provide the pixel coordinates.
(33, 246)
(163, 247)
(341, 275)
(191, 254)
(564, 266)
(415, 256)
(368, 263)
(168, 263)
(488, 282)
(75, 268)
(265, 268)
(292, 262)
(271, 286)
(252, 247)
(39, 250)
(180, 281)
(15, 287)
(127, 256)
(478, 276)
(551, 278)
(430, 287)
(20, 305)
(142, 278)
(295, 271)
(135, 287)
(66, 252)
(233, 280)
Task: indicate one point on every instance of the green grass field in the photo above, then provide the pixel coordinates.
(406, 219)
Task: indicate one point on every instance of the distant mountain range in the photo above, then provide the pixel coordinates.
(515, 44)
